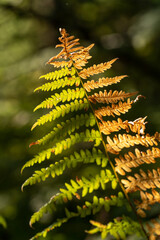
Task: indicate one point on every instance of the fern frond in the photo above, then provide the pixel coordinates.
(131, 161)
(59, 74)
(87, 136)
(67, 127)
(58, 223)
(42, 156)
(61, 83)
(86, 185)
(109, 97)
(121, 107)
(157, 136)
(137, 126)
(142, 181)
(153, 229)
(109, 127)
(97, 204)
(65, 95)
(72, 128)
(119, 229)
(87, 209)
(62, 110)
(125, 141)
(147, 200)
(56, 169)
(58, 64)
(96, 69)
(90, 85)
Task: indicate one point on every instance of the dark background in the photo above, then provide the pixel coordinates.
(129, 30)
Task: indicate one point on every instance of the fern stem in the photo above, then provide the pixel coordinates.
(111, 164)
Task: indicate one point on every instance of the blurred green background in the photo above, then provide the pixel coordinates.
(129, 30)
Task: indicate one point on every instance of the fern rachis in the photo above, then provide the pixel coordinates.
(80, 127)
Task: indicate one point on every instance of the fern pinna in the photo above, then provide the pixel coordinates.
(84, 122)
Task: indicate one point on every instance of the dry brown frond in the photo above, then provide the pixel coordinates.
(111, 126)
(126, 140)
(121, 107)
(67, 44)
(147, 200)
(61, 63)
(83, 54)
(131, 160)
(157, 136)
(153, 229)
(96, 69)
(80, 58)
(137, 126)
(90, 85)
(142, 181)
(109, 97)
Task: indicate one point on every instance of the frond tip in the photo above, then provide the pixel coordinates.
(71, 52)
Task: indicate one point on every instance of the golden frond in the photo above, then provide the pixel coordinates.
(142, 181)
(110, 97)
(131, 160)
(96, 69)
(137, 126)
(125, 141)
(121, 107)
(90, 85)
